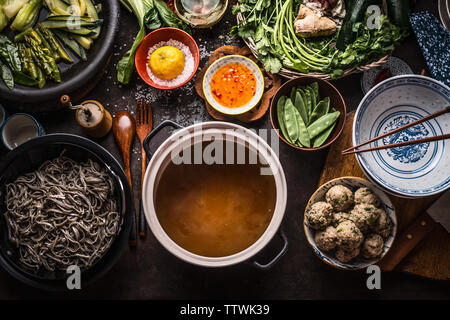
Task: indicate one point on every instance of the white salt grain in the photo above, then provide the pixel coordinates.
(188, 64)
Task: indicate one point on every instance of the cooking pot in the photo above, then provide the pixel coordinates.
(201, 133)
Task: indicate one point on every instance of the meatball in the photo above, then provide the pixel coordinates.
(348, 235)
(383, 224)
(320, 215)
(369, 212)
(339, 217)
(340, 197)
(326, 239)
(345, 255)
(365, 195)
(372, 246)
(359, 219)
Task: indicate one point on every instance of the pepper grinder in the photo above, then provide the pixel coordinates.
(91, 115)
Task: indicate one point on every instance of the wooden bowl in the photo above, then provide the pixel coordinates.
(326, 89)
(164, 34)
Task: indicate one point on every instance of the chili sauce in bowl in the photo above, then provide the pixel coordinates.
(233, 85)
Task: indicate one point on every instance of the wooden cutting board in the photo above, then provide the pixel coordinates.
(431, 257)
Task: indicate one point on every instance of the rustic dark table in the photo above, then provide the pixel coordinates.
(150, 272)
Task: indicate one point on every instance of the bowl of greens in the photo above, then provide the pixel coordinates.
(49, 48)
(326, 39)
(308, 113)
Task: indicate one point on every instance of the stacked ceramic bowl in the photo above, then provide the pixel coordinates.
(411, 171)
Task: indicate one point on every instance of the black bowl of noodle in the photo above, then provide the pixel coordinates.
(64, 201)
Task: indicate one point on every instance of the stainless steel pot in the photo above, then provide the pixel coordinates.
(203, 132)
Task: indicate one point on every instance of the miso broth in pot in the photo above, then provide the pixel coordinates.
(214, 201)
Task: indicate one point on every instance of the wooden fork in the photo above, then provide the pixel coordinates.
(143, 128)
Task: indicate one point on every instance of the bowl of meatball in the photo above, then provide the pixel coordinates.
(350, 223)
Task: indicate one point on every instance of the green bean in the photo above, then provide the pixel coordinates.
(321, 109)
(280, 114)
(290, 120)
(322, 124)
(321, 138)
(303, 135)
(300, 105)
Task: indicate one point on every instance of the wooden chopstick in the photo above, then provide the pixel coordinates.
(401, 144)
(431, 116)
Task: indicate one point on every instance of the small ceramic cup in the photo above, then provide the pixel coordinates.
(19, 128)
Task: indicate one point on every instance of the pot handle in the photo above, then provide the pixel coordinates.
(162, 125)
(271, 263)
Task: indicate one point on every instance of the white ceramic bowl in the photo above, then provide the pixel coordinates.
(410, 171)
(185, 138)
(220, 63)
(353, 183)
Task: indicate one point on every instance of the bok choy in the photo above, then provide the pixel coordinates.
(27, 15)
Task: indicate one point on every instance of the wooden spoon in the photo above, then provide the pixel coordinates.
(124, 130)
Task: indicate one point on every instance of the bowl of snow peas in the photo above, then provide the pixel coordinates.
(308, 113)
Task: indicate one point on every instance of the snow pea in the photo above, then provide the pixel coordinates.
(280, 114)
(322, 124)
(300, 105)
(315, 87)
(322, 137)
(290, 119)
(303, 135)
(308, 100)
(321, 109)
(292, 95)
(312, 97)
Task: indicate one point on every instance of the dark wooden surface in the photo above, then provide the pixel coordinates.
(426, 259)
(150, 272)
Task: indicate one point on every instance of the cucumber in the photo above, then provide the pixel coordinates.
(74, 46)
(57, 7)
(68, 17)
(69, 23)
(356, 10)
(80, 32)
(83, 41)
(398, 12)
(92, 13)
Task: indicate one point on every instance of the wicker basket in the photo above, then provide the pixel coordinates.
(287, 73)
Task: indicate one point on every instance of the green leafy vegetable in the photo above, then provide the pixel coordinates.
(6, 75)
(9, 53)
(270, 25)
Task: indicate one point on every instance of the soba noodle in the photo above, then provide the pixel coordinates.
(62, 214)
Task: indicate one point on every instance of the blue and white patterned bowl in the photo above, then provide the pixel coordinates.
(410, 171)
(353, 183)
